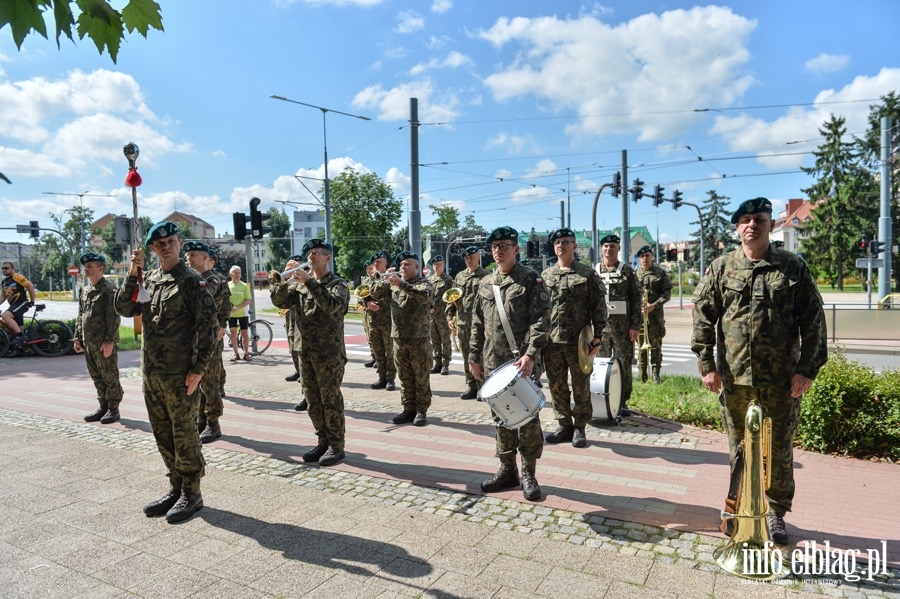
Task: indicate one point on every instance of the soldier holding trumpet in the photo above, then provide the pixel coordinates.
(657, 291)
(440, 329)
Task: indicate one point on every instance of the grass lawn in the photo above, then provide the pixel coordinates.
(679, 398)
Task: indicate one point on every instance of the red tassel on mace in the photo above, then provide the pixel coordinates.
(133, 179)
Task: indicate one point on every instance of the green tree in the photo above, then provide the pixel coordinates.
(364, 212)
(278, 245)
(717, 230)
(114, 251)
(185, 230)
(843, 207)
(446, 220)
(96, 19)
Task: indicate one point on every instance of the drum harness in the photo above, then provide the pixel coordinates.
(609, 279)
(498, 298)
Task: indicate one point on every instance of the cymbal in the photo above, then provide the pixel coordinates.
(584, 349)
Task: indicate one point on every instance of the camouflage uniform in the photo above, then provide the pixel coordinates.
(179, 338)
(380, 330)
(293, 335)
(440, 330)
(367, 317)
(98, 323)
(758, 324)
(211, 406)
(577, 299)
(527, 306)
(656, 283)
(410, 302)
(461, 311)
(319, 316)
(623, 301)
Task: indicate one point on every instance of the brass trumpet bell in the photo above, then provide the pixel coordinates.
(585, 361)
(363, 291)
(451, 295)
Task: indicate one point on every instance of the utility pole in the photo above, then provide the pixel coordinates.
(884, 220)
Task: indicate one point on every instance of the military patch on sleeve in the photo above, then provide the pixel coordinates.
(202, 284)
(214, 282)
(544, 296)
(539, 280)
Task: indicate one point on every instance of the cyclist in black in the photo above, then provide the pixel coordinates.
(13, 290)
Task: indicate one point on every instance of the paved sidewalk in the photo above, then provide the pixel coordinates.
(632, 515)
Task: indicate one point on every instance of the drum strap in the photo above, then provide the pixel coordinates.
(498, 299)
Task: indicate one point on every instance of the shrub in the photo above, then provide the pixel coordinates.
(852, 410)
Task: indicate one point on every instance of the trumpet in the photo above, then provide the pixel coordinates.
(451, 296)
(645, 346)
(279, 276)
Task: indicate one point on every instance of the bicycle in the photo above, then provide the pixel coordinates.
(49, 338)
(260, 332)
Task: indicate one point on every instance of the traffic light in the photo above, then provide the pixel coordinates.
(35, 229)
(658, 195)
(637, 191)
(617, 185)
(257, 230)
(863, 245)
(676, 199)
(240, 226)
(672, 255)
(533, 249)
(876, 247)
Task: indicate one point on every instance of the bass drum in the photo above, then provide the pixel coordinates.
(514, 398)
(606, 389)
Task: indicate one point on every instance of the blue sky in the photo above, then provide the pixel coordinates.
(523, 105)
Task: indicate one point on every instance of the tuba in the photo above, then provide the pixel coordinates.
(748, 553)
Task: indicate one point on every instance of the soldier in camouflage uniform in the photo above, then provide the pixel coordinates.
(577, 300)
(623, 318)
(319, 299)
(411, 332)
(179, 340)
(459, 313)
(440, 329)
(379, 306)
(527, 304)
(198, 256)
(759, 335)
(96, 335)
(657, 288)
(292, 328)
(367, 320)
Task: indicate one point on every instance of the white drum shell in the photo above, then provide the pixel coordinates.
(606, 389)
(515, 399)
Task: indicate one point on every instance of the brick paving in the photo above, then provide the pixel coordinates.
(634, 513)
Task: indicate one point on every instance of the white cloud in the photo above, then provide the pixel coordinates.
(454, 60)
(766, 138)
(827, 63)
(513, 144)
(534, 194)
(441, 6)
(619, 79)
(409, 21)
(393, 104)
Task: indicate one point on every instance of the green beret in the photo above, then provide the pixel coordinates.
(92, 257)
(610, 239)
(470, 250)
(297, 258)
(437, 258)
(367, 264)
(195, 246)
(161, 230)
(559, 233)
(377, 255)
(754, 206)
(213, 254)
(405, 256)
(503, 234)
(316, 243)
(645, 249)
(778, 244)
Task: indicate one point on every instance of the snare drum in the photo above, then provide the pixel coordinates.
(514, 398)
(606, 389)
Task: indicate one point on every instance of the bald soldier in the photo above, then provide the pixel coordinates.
(96, 336)
(180, 331)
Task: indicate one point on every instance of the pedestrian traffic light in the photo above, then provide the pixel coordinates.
(637, 191)
(533, 249)
(617, 185)
(863, 245)
(658, 195)
(676, 199)
(672, 255)
(257, 230)
(35, 229)
(240, 226)
(875, 247)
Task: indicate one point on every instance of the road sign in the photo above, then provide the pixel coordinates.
(864, 263)
(73, 270)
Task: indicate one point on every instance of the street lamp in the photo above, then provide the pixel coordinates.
(81, 201)
(325, 143)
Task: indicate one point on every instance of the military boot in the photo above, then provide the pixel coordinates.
(578, 437)
(471, 393)
(186, 506)
(560, 435)
(211, 432)
(302, 406)
(404, 417)
(97, 414)
(642, 371)
(370, 364)
(390, 386)
(112, 415)
(777, 528)
(163, 504)
(379, 384)
(314, 454)
(530, 488)
(437, 367)
(507, 477)
(292, 377)
(332, 457)
(656, 374)
(201, 423)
